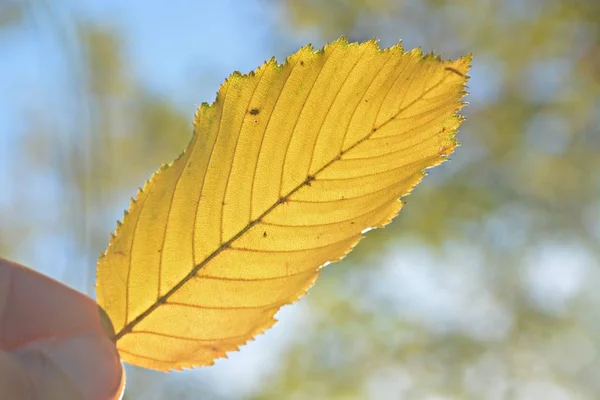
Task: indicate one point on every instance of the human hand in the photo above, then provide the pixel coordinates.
(52, 345)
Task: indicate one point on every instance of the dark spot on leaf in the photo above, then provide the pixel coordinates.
(302, 63)
(254, 111)
(454, 70)
(265, 234)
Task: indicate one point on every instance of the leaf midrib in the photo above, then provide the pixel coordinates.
(163, 299)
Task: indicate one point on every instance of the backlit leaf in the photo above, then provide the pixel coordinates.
(284, 172)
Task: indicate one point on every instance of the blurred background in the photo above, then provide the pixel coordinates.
(487, 286)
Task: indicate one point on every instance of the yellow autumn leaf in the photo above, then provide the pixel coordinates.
(284, 172)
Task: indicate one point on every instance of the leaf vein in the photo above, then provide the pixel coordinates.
(367, 175)
(212, 151)
(262, 138)
(276, 304)
(219, 339)
(312, 152)
(295, 250)
(412, 146)
(310, 92)
(355, 217)
(271, 278)
(233, 157)
(359, 102)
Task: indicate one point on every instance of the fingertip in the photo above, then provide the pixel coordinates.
(36, 377)
(88, 366)
(13, 379)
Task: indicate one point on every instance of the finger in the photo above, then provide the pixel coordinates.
(83, 368)
(53, 340)
(33, 384)
(33, 306)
